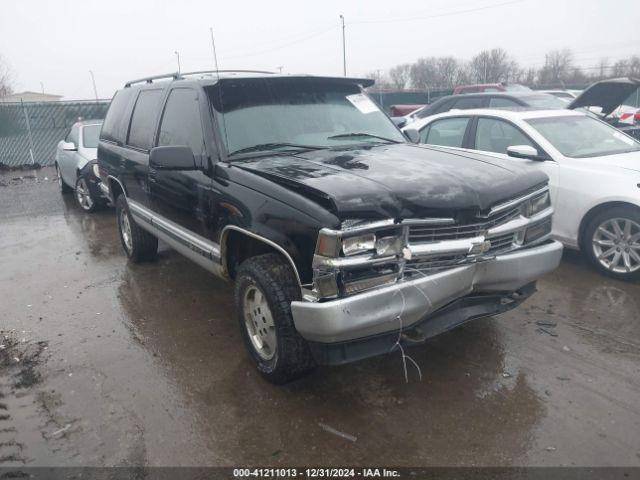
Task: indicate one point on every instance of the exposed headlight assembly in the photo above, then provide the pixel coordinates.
(96, 170)
(537, 204)
(358, 257)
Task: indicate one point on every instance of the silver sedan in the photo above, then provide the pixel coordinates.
(77, 167)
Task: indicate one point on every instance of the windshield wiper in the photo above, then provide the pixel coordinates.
(274, 146)
(361, 134)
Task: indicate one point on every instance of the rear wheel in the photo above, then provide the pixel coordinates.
(64, 188)
(85, 197)
(612, 242)
(138, 244)
(265, 287)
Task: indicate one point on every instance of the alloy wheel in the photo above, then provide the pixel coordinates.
(83, 194)
(259, 323)
(125, 231)
(616, 245)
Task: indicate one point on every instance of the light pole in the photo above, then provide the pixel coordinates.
(344, 50)
(178, 57)
(280, 68)
(93, 81)
(42, 87)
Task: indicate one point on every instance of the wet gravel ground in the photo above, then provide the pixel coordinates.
(107, 363)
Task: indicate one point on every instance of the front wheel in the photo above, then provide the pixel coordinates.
(265, 287)
(138, 244)
(85, 196)
(612, 242)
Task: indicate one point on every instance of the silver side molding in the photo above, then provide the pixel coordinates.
(204, 252)
(200, 250)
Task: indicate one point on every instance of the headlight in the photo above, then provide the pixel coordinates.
(537, 204)
(358, 244)
(96, 170)
(357, 257)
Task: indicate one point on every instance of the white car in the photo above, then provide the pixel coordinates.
(593, 168)
(77, 167)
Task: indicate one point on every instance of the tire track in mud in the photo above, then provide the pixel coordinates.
(19, 361)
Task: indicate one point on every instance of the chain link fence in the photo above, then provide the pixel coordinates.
(30, 131)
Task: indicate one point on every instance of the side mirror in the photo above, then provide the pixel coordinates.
(524, 151)
(412, 134)
(172, 158)
(399, 121)
(69, 147)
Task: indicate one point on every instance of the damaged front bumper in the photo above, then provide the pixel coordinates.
(368, 324)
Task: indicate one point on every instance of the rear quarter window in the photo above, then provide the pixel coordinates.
(114, 128)
(143, 120)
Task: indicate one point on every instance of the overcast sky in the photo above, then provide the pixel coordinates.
(57, 42)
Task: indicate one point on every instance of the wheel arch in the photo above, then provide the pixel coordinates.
(115, 188)
(253, 244)
(596, 210)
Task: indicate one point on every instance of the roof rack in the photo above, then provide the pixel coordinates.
(174, 75)
(178, 75)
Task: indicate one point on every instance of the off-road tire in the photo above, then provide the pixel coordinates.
(275, 278)
(631, 213)
(143, 246)
(64, 188)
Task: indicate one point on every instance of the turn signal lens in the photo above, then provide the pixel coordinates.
(537, 231)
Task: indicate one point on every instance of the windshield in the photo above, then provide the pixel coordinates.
(264, 114)
(545, 102)
(583, 136)
(90, 135)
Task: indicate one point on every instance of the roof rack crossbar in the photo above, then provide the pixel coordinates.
(226, 71)
(178, 75)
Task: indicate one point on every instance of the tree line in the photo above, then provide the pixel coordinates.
(496, 65)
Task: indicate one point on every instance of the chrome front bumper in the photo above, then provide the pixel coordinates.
(409, 302)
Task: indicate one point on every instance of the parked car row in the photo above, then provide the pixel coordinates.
(345, 240)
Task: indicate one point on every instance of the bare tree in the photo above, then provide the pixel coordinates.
(491, 66)
(557, 65)
(5, 79)
(400, 75)
(423, 73)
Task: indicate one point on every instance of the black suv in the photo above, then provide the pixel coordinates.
(344, 241)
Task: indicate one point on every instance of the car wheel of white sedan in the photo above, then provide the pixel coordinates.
(614, 242)
(84, 196)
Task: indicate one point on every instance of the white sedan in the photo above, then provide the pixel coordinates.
(77, 167)
(593, 169)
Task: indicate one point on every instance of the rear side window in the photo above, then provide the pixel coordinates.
(494, 135)
(467, 103)
(499, 102)
(143, 120)
(181, 123)
(448, 132)
(114, 127)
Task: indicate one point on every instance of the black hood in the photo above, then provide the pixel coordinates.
(398, 181)
(607, 94)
